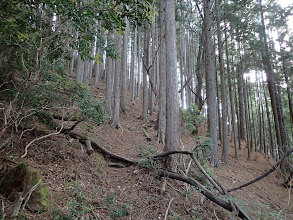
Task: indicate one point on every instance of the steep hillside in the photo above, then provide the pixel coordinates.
(86, 186)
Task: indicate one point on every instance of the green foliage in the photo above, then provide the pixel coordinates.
(46, 118)
(77, 207)
(191, 118)
(117, 209)
(147, 153)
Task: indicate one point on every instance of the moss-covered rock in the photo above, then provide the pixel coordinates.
(21, 179)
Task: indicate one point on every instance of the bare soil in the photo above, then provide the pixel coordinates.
(85, 185)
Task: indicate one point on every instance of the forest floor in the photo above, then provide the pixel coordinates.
(87, 185)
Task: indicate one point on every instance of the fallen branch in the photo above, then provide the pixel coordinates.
(274, 167)
(40, 138)
(169, 205)
(21, 201)
(115, 157)
(89, 148)
(226, 205)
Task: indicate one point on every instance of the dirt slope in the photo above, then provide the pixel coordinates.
(87, 186)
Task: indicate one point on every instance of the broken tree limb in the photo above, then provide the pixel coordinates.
(165, 154)
(89, 148)
(235, 208)
(17, 205)
(187, 81)
(95, 146)
(226, 205)
(274, 167)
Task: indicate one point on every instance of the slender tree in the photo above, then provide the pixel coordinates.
(211, 81)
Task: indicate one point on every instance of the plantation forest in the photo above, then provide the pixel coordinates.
(146, 109)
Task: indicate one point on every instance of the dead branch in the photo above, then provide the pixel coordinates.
(19, 205)
(203, 190)
(89, 147)
(274, 167)
(169, 205)
(40, 138)
(114, 157)
(186, 82)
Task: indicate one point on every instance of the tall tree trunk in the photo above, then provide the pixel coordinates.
(116, 119)
(145, 83)
(278, 117)
(211, 82)
(109, 81)
(79, 69)
(162, 94)
(241, 95)
(138, 64)
(133, 62)
(124, 73)
(172, 108)
(223, 89)
(231, 93)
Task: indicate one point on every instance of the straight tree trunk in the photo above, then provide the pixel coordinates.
(223, 89)
(116, 118)
(109, 81)
(231, 93)
(124, 73)
(133, 62)
(162, 94)
(145, 83)
(138, 64)
(172, 108)
(79, 69)
(277, 109)
(211, 81)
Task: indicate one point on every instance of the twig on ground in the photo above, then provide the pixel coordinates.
(2, 216)
(169, 205)
(40, 138)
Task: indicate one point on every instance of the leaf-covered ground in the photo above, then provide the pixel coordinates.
(91, 187)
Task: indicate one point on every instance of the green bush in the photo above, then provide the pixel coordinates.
(191, 118)
(117, 209)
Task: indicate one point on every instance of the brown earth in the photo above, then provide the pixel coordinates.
(85, 185)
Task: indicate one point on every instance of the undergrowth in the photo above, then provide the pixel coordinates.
(191, 118)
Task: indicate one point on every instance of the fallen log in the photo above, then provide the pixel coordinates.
(274, 167)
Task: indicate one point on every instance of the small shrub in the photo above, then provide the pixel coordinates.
(147, 153)
(191, 118)
(117, 209)
(77, 207)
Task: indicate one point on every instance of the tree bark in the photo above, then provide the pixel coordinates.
(211, 82)
(172, 108)
(116, 118)
(124, 74)
(223, 89)
(162, 94)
